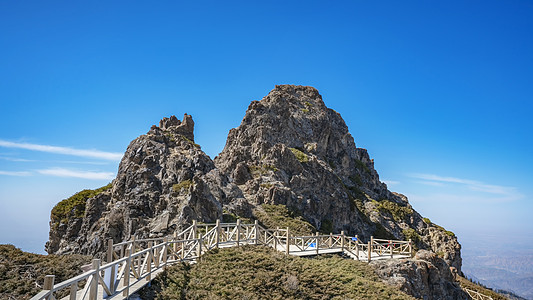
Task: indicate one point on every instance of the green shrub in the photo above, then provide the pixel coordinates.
(229, 217)
(271, 216)
(22, 272)
(356, 179)
(266, 185)
(362, 166)
(189, 141)
(305, 110)
(447, 232)
(74, 206)
(382, 233)
(256, 272)
(302, 157)
(308, 104)
(261, 170)
(427, 221)
(399, 213)
(410, 233)
(326, 226)
(185, 184)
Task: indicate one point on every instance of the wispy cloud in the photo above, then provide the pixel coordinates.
(63, 150)
(390, 182)
(15, 159)
(508, 192)
(15, 173)
(60, 172)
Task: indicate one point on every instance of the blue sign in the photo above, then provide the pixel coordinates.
(354, 239)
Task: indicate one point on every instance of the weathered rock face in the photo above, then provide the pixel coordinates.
(164, 182)
(426, 276)
(291, 149)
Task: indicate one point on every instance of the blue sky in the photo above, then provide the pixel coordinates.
(439, 93)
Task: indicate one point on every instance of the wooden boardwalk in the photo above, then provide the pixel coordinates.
(131, 265)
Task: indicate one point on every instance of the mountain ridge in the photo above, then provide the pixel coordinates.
(290, 150)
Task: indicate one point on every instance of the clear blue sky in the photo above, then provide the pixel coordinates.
(440, 93)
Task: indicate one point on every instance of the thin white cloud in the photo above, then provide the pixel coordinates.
(507, 193)
(60, 172)
(15, 159)
(390, 182)
(63, 150)
(15, 173)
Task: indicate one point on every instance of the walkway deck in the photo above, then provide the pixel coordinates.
(133, 264)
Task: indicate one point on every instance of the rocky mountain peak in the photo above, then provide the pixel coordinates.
(290, 150)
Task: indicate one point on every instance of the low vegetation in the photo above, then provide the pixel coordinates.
(74, 206)
(261, 170)
(447, 232)
(399, 213)
(271, 216)
(22, 273)
(302, 157)
(256, 272)
(362, 166)
(465, 283)
(412, 235)
(189, 141)
(185, 184)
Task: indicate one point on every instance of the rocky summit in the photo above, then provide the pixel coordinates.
(289, 150)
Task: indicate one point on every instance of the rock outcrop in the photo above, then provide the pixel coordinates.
(164, 182)
(290, 149)
(426, 276)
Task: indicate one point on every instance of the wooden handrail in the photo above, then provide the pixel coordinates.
(130, 267)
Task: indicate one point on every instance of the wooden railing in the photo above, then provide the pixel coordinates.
(132, 264)
(476, 295)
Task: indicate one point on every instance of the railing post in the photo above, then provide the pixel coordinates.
(238, 232)
(93, 292)
(133, 244)
(183, 250)
(127, 270)
(149, 262)
(165, 252)
(390, 245)
(157, 254)
(369, 251)
(275, 238)
(256, 231)
(410, 248)
(110, 259)
(175, 245)
(194, 227)
(357, 246)
(316, 242)
(288, 243)
(49, 285)
(330, 239)
(199, 249)
(217, 233)
(342, 240)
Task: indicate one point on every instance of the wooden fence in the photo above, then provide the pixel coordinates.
(132, 264)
